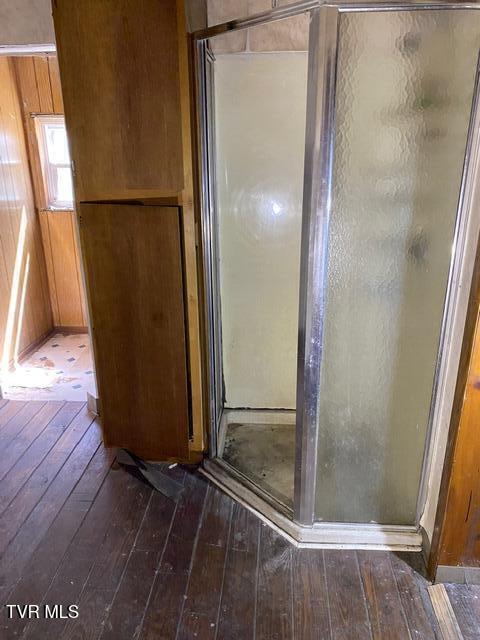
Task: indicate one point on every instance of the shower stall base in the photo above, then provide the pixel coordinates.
(261, 446)
(324, 535)
(255, 465)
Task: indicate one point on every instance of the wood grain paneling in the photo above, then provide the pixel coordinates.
(63, 268)
(460, 540)
(42, 74)
(456, 536)
(55, 87)
(30, 101)
(133, 267)
(120, 71)
(25, 313)
(192, 262)
(40, 91)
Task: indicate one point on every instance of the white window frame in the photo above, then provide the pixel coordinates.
(48, 169)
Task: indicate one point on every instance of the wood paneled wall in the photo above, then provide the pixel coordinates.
(457, 534)
(63, 267)
(40, 92)
(460, 543)
(25, 312)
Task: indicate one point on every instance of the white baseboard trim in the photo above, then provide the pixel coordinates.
(259, 416)
(251, 416)
(26, 49)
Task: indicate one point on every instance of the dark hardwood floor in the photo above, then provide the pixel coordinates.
(77, 530)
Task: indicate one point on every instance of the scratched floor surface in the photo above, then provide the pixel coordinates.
(76, 530)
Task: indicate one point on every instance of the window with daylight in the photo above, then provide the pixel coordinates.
(55, 161)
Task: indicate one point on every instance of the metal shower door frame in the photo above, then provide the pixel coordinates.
(318, 184)
(205, 122)
(319, 158)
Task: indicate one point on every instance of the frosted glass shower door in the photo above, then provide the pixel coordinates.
(403, 98)
(260, 103)
(259, 118)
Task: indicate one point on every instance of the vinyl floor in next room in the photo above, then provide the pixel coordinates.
(61, 368)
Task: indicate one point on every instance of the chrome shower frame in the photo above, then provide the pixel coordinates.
(299, 525)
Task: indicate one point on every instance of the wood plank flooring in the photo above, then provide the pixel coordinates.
(77, 530)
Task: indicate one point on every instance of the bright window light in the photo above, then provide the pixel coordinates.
(55, 161)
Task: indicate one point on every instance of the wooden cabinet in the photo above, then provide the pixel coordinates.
(120, 78)
(133, 266)
(126, 93)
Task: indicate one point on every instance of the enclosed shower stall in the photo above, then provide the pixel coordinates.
(339, 157)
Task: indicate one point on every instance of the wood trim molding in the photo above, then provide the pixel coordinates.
(444, 613)
(465, 357)
(197, 439)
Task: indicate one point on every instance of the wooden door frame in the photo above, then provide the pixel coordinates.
(453, 432)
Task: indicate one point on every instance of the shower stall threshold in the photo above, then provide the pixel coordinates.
(322, 535)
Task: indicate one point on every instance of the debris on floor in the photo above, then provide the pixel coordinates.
(154, 473)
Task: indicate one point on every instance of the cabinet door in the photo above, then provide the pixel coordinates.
(133, 264)
(119, 67)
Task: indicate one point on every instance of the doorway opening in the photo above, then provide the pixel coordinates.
(45, 343)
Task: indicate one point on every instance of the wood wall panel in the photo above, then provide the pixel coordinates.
(63, 269)
(49, 264)
(460, 537)
(42, 75)
(25, 313)
(40, 91)
(30, 101)
(134, 273)
(456, 534)
(56, 89)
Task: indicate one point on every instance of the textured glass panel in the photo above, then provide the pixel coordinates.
(260, 112)
(404, 93)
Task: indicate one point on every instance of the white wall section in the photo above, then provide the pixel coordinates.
(26, 22)
(260, 135)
